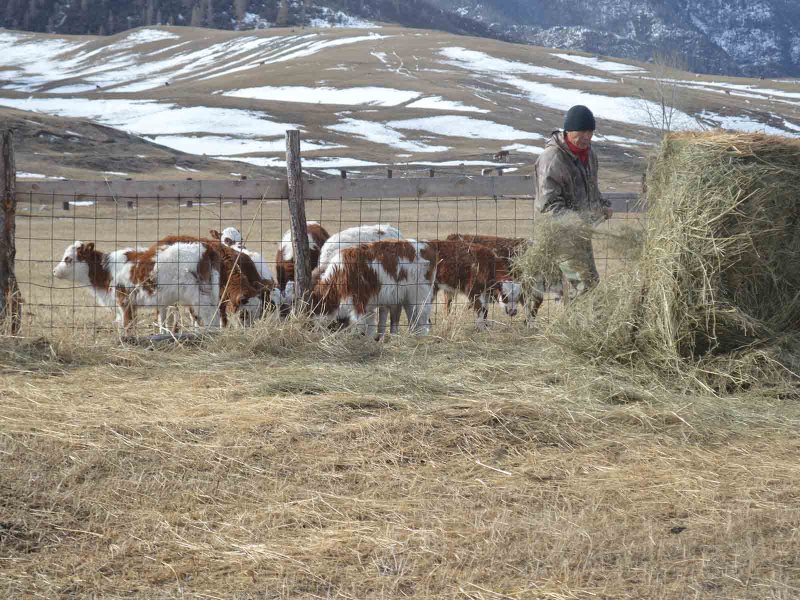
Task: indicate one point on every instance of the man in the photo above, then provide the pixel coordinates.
(567, 191)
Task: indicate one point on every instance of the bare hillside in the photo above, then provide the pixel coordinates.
(364, 98)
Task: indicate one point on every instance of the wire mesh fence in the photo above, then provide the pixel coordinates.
(48, 223)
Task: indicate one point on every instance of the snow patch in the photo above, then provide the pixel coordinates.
(310, 163)
(332, 18)
(230, 146)
(143, 36)
(25, 175)
(484, 63)
(156, 118)
(79, 88)
(601, 65)
(524, 148)
(369, 96)
(457, 126)
(621, 109)
(380, 133)
(743, 124)
(438, 103)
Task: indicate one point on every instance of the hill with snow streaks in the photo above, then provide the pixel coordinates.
(732, 37)
(362, 98)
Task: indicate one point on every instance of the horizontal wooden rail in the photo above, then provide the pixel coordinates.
(461, 186)
(171, 189)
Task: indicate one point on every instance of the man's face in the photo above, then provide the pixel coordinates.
(582, 139)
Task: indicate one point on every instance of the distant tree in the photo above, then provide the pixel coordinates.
(149, 13)
(282, 19)
(661, 95)
(210, 13)
(240, 9)
(197, 16)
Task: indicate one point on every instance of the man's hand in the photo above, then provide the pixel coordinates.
(608, 212)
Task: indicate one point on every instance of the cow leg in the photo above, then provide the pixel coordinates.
(394, 314)
(383, 314)
(532, 308)
(368, 322)
(448, 301)
(162, 319)
(479, 303)
(127, 318)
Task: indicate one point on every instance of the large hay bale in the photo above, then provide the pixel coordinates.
(720, 266)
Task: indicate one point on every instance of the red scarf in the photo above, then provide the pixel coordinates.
(583, 155)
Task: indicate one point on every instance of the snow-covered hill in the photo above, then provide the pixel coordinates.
(363, 98)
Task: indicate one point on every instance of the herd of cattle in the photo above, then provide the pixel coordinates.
(362, 276)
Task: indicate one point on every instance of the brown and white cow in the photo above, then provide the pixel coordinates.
(186, 273)
(284, 259)
(471, 269)
(363, 284)
(241, 287)
(509, 293)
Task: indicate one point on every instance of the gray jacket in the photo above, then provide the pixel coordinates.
(563, 183)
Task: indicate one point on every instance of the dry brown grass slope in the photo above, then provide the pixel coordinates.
(280, 464)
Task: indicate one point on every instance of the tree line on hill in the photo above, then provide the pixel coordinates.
(106, 17)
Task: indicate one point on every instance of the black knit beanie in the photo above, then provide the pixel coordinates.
(579, 118)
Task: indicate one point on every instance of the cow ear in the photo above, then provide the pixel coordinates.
(215, 234)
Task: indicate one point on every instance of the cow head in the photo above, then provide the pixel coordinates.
(509, 296)
(75, 262)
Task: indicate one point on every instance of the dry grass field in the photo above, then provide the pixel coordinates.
(281, 462)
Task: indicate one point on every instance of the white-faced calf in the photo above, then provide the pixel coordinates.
(471, 269)
(284, 259)
(186, 273)
(509, 293)
(241, 287)
(232, 238)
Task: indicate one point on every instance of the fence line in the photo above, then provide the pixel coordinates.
(466, 186)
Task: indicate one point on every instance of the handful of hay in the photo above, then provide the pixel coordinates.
(537, 269)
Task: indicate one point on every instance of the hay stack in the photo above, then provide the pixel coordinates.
(721, 261)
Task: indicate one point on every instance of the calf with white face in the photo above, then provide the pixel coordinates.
(232, 238)
(509, 296)
(508, 293)
(159, 277)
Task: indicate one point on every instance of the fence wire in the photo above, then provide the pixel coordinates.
(47, 224)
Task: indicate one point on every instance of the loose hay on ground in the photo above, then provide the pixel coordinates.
(439, 468)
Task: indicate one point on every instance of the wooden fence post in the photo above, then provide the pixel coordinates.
(10, 297)
(297, 216)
